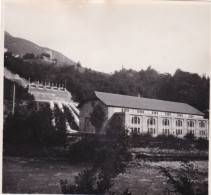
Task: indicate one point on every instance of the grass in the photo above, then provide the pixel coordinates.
(21, 175)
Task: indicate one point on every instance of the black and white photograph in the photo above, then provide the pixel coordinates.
(105, 97)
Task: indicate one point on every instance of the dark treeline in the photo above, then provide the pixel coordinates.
(181, 87)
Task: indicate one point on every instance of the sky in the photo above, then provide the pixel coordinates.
(108, 35)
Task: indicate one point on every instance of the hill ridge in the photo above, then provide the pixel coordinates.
(22, 46)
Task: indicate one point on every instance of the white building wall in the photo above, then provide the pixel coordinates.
(159, 116)
(144, 115)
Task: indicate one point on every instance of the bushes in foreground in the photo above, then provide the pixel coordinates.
(168, 142)
(183, 180)
(85, 150)
(31, 132)
(109, 160)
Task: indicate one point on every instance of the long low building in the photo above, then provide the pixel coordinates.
(143, 115)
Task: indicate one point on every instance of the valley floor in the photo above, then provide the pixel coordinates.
(22, 175)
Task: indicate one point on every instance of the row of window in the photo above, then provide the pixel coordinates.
(166, 131)
(155, 112)
(166, 122)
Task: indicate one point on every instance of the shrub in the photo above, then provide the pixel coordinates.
(85, 149)
(140, 140)
(202, 144)
(183, 180)
(32, 129)
(111, 155)
(189, 136)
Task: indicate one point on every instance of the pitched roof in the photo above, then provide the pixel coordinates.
(126, 101)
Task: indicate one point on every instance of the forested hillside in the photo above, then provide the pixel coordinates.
(180, 87)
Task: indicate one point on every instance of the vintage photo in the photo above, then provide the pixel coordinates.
(105, 97)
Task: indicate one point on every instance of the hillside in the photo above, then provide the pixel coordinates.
(21, 46)
(182, 87)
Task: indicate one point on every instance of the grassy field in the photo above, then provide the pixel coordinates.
(37, 176)
(43, 176)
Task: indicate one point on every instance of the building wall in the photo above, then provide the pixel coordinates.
(158, 127)
(86, 109)
(144, 126)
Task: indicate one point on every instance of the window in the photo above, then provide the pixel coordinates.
(135, 130)
(125, 110)
(151, 130)
(202, 124)
(190, 124)
(190, 116)
(151, 121)
(165, 122)
(178, 131)
(180, 115)
(140, 111)
(154, 112)
(202, 133)
(167, 114)
(166, 131)
(135, 120)
(191, 131)
(179, 123)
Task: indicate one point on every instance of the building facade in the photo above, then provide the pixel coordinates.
(143, 115)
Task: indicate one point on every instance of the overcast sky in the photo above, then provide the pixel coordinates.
(105, 36)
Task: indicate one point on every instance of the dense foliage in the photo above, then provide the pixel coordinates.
(31, 127)
(168, 142)
(85, 149)
(181, 87)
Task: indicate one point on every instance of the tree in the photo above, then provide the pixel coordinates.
(29, 127)
(110, 160)
(97, 117)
